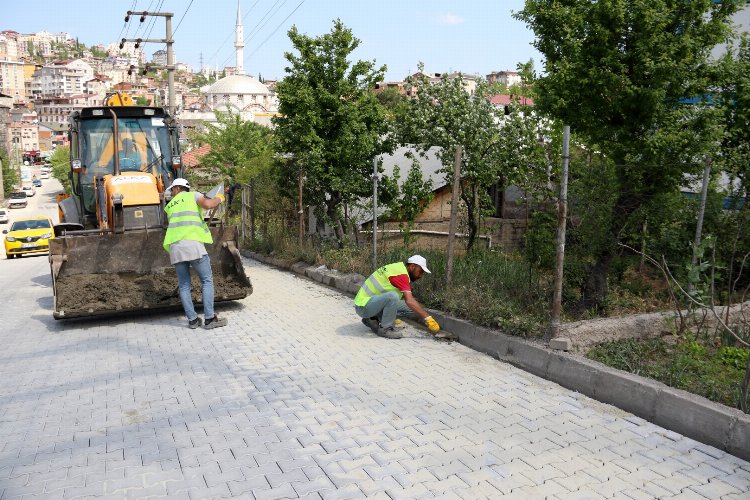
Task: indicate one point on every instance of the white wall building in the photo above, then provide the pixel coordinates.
(507, 78)
(239, 93)
(25, 136)
(159, 57)
(57, 109)
(62, 79)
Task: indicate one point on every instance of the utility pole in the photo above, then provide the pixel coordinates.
(374, 213)
(170, 52)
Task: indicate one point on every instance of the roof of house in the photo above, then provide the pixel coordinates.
(430, 164)
(193, 157)
(505, 99)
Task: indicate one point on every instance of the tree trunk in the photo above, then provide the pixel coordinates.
(333, 216)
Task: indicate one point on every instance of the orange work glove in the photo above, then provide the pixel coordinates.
(432, 325)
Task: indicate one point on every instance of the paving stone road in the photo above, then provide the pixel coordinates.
(296, 398)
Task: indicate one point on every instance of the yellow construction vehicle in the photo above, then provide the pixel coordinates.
(107, 255)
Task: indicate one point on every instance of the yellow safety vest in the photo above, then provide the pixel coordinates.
(378, 283)
(185, 221)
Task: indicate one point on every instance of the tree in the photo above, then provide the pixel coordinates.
(331, 123)
(10, 174)
(444, 114)
(142, 101)
(618, 72)
(240, 150)
(392, 99)
(405, 201)
(732, 97)
(61, 167)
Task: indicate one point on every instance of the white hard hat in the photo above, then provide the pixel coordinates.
(179, 182)
(420, 261)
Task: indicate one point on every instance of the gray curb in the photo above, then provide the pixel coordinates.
(693, 416)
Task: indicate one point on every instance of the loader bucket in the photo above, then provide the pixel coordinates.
(105, 274)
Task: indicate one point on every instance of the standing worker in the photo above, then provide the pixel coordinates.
(185, 241)
(387, 293)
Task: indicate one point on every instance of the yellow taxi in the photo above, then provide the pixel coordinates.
(28, 235)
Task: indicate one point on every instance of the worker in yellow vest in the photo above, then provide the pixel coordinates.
(185, 241)
(387, 294)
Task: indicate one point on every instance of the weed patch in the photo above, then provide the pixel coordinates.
(688, 364)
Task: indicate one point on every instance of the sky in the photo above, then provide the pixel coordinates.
(474, 37)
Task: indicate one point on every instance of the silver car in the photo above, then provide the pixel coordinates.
(3, 216)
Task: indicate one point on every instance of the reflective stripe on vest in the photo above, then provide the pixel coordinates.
(378, 283)
(185, 221)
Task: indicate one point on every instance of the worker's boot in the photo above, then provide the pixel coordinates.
(215, 322)
(389, 333)
(372, 324)
(195, 323)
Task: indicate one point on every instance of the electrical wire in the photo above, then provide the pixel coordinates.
(276, 29)
(257, 24)
(153, 19)
(125, 27)
(213, 56)
(141, 24)
(183, 17)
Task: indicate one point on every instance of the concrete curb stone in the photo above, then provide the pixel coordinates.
(696, 417)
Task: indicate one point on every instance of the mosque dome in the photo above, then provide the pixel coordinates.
(238, 85)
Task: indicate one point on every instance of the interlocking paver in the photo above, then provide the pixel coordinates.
(309, 404)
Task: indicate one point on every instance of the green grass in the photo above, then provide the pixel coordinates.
(689, 364)
(488, 288)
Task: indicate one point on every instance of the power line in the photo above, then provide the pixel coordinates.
(153, 23)
(266, 18)
(183, 17)
(141, 24)
(213, 56)
(276, 29)
(125, 25)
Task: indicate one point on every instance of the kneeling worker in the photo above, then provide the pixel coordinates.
(387, 293)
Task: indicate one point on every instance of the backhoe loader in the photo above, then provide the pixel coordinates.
(107, 255)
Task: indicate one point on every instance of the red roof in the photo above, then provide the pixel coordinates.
(193, 157)
(505, 99)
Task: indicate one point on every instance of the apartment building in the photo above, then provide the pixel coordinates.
(24, 136)
(61, 78)
(159, 57)
(507, 78)
(13, 78)
(57, 109)
(9, 45)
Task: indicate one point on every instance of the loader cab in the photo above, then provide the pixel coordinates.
(142, 140)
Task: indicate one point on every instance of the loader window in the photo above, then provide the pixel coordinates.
(143, 146)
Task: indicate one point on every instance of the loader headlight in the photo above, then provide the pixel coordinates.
(10, 238)
(46, 235)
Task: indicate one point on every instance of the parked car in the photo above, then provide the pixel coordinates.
(30, 191)
(28, 235)
(17, 199)
(44, 175)
(3, 216)
(36, 183)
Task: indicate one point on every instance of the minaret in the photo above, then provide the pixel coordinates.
(239, 41)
